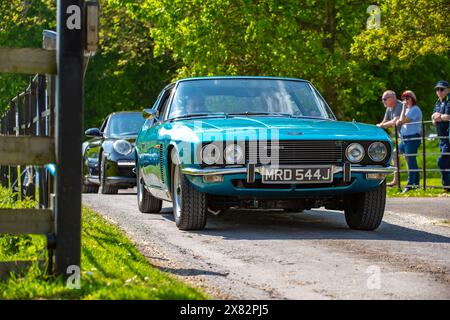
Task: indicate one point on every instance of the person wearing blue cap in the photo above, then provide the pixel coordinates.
(441, 119)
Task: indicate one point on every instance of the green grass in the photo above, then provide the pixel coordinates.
(111, 266)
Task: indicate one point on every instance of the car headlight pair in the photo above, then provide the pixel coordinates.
(233, 154)
(123, 147)
(355, 152)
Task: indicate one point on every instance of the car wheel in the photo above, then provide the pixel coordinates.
(189, 205)
(104, 187)
(364, 211)
(89, 188)
(146, 202)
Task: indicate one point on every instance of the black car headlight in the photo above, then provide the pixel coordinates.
(355, 152)
(123, 147)
(377, 151)
(211, 154)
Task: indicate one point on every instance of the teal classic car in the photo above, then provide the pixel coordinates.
(214, 143)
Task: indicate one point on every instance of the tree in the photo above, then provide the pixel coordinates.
(21, 25)
(123, 75)
(323, 41)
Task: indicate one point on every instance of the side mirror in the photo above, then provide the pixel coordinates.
(93, 133)
(150, 114)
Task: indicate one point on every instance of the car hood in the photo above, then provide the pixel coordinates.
(271, 127)
(130, 139)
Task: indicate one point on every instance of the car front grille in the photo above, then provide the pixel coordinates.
(296, 152)
(126, 172)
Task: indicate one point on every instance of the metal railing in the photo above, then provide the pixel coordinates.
(30, 113)
(424, 153)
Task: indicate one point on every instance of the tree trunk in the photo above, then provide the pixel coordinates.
(329, 43)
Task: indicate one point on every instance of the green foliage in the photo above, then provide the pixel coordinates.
(146, 44)
(409, 29)
(124, 75)
(324, 41)
(21, 25)
(18, 247)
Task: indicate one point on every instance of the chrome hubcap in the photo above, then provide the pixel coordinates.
(140, 187)
(177, 194)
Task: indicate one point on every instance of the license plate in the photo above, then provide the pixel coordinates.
(297, 175)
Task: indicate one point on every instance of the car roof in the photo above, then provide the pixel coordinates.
(239, 77)
(233, 77)
(124, 112)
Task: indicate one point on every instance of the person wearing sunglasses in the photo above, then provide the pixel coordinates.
(441, 118)
(393, 110)
(410, 133)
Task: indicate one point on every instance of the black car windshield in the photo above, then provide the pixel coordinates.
(248, 97)
(124, 124)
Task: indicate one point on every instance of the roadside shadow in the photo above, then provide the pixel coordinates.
(309, 225)
(188, 272)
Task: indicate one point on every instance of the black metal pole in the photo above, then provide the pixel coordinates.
(41, 132)
(13, 169)
(31, 187)
(397, 158)
(69, 104)
(26, 131)
(3, 167)
(424, 159)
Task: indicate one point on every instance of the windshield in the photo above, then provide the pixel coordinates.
(124, 124)
(261, 97)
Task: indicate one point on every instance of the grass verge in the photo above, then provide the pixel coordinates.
(429, 192)
(111, 266)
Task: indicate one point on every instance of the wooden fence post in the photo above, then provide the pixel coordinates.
(69, 103)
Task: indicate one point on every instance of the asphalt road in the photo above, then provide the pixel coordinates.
(310, 255)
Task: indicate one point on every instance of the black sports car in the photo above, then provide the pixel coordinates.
(108, 157)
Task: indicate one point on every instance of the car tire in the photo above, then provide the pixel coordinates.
(104, 187)
(190, 206)
(364, 211)
(146, 202)
(89, 188)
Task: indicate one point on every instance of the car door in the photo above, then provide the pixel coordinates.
(153, 147)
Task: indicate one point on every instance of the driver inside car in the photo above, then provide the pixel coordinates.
(195, 104)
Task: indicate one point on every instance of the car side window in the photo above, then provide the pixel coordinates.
(162, 108)
(103, 127)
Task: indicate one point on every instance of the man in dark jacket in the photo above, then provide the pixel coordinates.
(441, 119)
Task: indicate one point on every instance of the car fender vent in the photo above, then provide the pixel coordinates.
(161, 163)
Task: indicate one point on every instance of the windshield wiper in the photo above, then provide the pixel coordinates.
(310, 117)
(247, 113)
(205, 114)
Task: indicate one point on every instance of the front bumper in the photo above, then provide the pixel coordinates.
(353, 179)
(121, 172)
(258, 169)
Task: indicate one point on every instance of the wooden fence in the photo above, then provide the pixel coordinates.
(41, 127)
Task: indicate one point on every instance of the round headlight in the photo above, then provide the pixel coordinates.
(210, 154)
(234, 154)
(377, 151)
(122, 147)
(355, 152)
